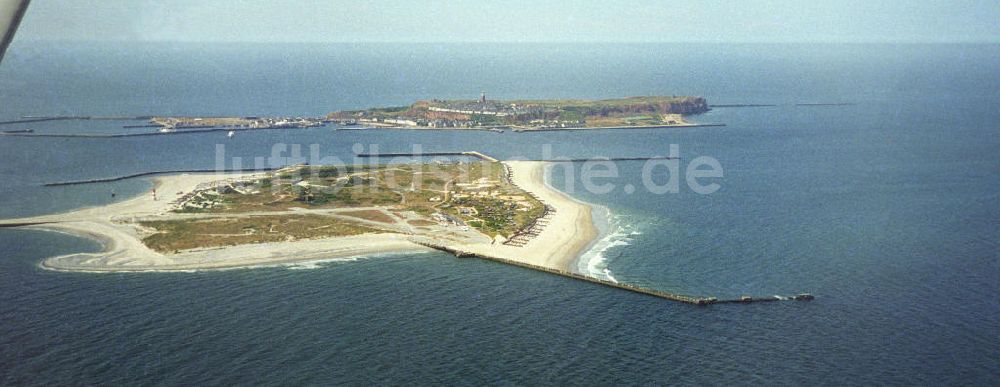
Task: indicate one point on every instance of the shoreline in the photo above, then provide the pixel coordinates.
(569, 235)
(123, 251)
(365, 128)
(516, 129)
(594, 253)
(288, 254)
(601, 225)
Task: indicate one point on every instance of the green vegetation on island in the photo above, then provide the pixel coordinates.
(324, 201)
(531, 114)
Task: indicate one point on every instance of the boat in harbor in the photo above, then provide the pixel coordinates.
(231, 133)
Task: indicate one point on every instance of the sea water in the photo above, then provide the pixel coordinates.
(885, 209)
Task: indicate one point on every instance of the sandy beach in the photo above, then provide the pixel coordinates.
(123, 250)
(568, 233)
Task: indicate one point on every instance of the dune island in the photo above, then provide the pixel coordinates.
(305, 213)
(502, 211)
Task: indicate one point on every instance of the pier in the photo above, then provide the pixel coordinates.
(691, 300)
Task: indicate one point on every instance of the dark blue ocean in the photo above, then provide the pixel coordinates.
(886, 209)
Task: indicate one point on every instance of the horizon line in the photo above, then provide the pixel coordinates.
(905, 42)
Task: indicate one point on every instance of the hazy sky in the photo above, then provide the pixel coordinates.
(513, 21)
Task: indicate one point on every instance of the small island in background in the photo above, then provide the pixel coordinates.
(481, 114)
(526, 115)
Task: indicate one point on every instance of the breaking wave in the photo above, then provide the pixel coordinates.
(323, 262)
(615, 232)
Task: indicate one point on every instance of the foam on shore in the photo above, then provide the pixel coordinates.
(613, 232)
(591, 260)
(322, 263)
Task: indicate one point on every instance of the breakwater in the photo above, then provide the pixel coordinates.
(527, 130)
(486, 157)
(142, 174)
(21, 224)
(753, 105)
(478, 155)
(29, 119)
(422, 128)
(475, 154)
(742, 105)
(578, 160)
(121, 135)
(149, 134)
(686, 299)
